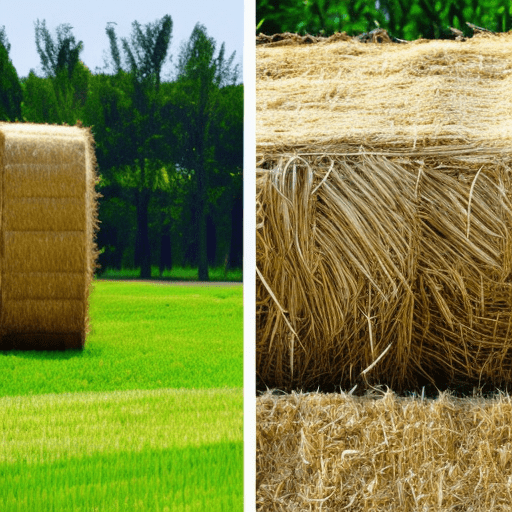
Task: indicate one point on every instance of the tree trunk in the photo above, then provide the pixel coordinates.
(143, 233)
(237, 233)
(211, 240)
(136, 252)
(223, 253)
(165, 250)
(202, 191)
(201, 226)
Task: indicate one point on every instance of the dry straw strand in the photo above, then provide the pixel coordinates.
(470, 197)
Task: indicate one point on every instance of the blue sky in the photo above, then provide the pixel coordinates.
(224, 21)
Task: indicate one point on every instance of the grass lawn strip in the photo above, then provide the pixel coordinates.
(46, 428)
(140, 449)
(147, 417)
(143, 337)
(192, 479)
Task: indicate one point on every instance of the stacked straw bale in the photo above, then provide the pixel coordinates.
(323, 452)
(48, 218)
(384, 214)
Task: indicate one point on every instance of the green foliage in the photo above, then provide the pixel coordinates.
(11, 94)
(40, 101)
(177, 273)
(4, 41)
(147, 50)
(109, 111)
(60, 97)
(116, 237)
(202, 73)
(228, 134)
(226, 183)
(403, 19)
(147, 153)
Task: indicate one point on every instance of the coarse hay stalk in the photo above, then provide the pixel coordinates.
(332, 452)
(365, 254)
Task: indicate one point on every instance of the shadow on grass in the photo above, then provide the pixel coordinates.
(45, 354)
(89, 351)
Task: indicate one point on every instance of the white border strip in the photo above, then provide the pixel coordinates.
(249, 77)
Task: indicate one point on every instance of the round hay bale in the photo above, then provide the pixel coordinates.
(48, 218)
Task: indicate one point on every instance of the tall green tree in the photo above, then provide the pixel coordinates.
(57, 55)
(226, 180)
(11, 94)
(144, 54)
(202, 72)
(61, 94)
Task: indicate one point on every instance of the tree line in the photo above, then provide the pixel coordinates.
(169, 150)
(403, 19)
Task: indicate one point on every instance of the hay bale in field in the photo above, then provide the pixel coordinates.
(48, 218)
(384, 214)
(335, 452)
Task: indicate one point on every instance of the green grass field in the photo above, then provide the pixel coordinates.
(177, 274)
(148, 417)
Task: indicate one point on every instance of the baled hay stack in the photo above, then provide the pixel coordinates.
(329, 453)
(384, 213)
(48, 220)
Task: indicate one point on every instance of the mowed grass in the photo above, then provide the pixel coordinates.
(148, 417)
(143, 336)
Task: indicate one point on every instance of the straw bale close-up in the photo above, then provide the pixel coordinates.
(381, 452)
(395, 94)
(384, 214)
(372, 270)
(48, 222)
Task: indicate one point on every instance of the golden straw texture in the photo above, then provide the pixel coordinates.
(48, 222)
(335, 452)
(384, 214)
(369, 257)
(419, 93)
